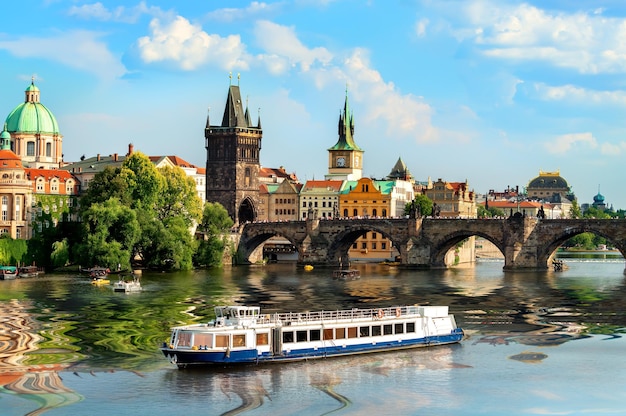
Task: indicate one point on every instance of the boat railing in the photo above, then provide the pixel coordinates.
(339, 315)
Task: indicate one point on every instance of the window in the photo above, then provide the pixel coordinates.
(364, 331)
(363, 245)
(315, 335)
(410, 327)
(5, 208)
(49, 149)
(383, 246)
(18, 233)
(184, 339)
(376, 330)
(221, 341)
(340, 333)
(374, 245)
(328, 333)
(262, 338)
(301, 336)
(374, 236)
(399, 328)
(30, 149)
(203, 339)
(287, 336)
(352, 332)
(239, 340)
(387, 329)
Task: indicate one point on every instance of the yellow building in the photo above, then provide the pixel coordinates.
(367, 198)
(452, 199)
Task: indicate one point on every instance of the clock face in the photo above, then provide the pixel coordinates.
(341, 162)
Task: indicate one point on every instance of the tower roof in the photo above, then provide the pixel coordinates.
(234, 113)
(31, 116)
(399, 171)
(346, 130)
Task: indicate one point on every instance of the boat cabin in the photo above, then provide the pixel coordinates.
(236, 315)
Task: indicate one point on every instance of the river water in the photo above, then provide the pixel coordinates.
(536, 344)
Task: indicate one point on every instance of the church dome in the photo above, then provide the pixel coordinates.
(31, 116)
(598, 199)
(548, 180)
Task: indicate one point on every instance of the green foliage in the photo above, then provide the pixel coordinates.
(110, 232)
(490, 212)
(178, 197)
(215, 226)
(423, 202)
(60, 253)
(574, 211)
(12, 251)
(593, 212)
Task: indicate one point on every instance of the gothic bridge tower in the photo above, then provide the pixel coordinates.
(232, 160)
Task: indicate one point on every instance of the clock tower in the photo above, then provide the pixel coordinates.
(345, 158)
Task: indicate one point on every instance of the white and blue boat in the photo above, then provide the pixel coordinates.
(242, 335)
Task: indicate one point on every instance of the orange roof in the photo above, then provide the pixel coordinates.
(33, 173)
(277, 172)
(513, 204)
(334, 185)
(9, 159)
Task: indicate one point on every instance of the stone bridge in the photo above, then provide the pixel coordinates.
(526, 242)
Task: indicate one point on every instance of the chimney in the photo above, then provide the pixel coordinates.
(115, 157)
(131, 148)
(98, 158)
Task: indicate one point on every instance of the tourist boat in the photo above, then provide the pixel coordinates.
(8, 272)
(241, 334)
(346, 274)
(124, 286)
(28, 271)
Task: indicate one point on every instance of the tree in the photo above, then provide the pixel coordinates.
(574, 211)
(215, 226)
(490, 212)
(178, 197)
(110, 233)
(423, 205)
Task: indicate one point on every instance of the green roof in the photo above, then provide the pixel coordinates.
(31, 116)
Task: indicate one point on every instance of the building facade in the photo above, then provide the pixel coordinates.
(232, 160)
(452, 199)
(35, 135)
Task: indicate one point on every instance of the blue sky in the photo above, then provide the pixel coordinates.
(491, 91)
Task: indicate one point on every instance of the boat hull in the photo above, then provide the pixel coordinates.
(183, 358)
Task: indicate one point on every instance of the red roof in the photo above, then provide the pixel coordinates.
(32, 174)
(334, 185)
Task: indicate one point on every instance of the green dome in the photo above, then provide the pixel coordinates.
(31, 116)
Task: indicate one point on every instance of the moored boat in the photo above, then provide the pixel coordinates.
(28, 271)
(241, 334)
(346, 274)
(8, 272)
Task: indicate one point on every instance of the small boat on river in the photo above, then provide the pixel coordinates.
(127, 286)
(242, 335)
(8, 272)
(346, 274)
(29, 271)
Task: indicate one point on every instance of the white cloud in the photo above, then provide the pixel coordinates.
(97, 11)
(94, 54)
(585, 42)
(282, 41)
(420, 27)
(188, 47)
(565, 143)
(255, 8)
(571, 93)
(403, 115)
(611, 149)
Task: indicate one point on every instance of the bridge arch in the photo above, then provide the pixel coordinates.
(250, 248)
(546, 253)
(447, 242)
(343, 241)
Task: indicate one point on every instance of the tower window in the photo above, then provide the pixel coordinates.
(30, 149)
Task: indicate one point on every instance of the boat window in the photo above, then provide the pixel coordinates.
(221, 341)
(410, 327)
(301, 336)
(239, 340)
(184, 339)
(203, 339)
(340, 333)
(288, 336)
(315, 335)
(387, 329)
(328, 333)
(364, 331)
(262, 339)
(399, 328)
(376, 331)
(352, 332)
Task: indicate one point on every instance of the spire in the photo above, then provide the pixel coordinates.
(259, 119)
(346, 129)
(208, 123)
(5, 139)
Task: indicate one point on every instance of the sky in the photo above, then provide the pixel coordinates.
(488, 91)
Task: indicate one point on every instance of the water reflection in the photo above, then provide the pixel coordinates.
(22, 371)
(63, 324)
